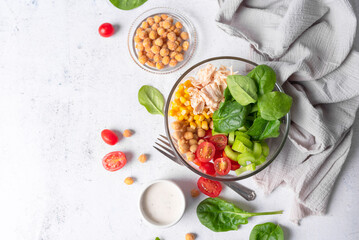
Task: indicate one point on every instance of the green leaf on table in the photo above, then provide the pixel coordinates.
(264, 77)
(274, 105)
(267, 231)
(127, 4)
(262, 129)
(151, 99)
(242, 88)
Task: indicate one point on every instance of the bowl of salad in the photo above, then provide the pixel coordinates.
(226, 118)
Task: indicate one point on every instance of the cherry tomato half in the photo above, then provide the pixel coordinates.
(219, 141)
(209, 187)
(106, 30)
(207, 168)
(205, 152)
(109, 137)
(208, 134)
(234, 165)
(114, 161)
(222, 166)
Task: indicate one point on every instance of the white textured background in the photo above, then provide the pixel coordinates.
(61, 84)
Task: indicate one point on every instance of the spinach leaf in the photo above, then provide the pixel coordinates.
(227, 95)
(151, 99)
(265, 78)
(267, 231)
(242, 88)
(274, 105)
(262, 129)
(221, 216)
(229, 117)
(127, 4)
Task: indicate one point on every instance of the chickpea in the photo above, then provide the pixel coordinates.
(153, 34)
(188, 135)
(172, 45)
(164, 45)
(150, 21)
(143, 59)
(142, 158)
(195, 136)
(189, 129)
(157, 58)
(141, 53)
(173, 54)
(127, 133)
(140, 46)
(200, 141)
(190, 236)
(192, 142)
(164, 52)
(128, 180)
(190, 156)
(184, 35)
(155, 49)
(161, 24)
(194, 193)
(183, 148)
(185, 45)
(151, 63)
(171, 36)
(148, 30)
(150, 55)
(166, 60)
(201, 132)
(164, 35)
(179, 39)
(164, 16)
(159, 65)
(155, 26)
(137, 39)
(157, 19)
(177, 135)
(144, 25)
(173, 27)
(147, 42)
(161, 31)
(176, 125)
(182, 141)
(158, 42)
(167, 24)
(211, 125)
(178, 25)
(179, 57)
(173, 62)
(177, 31)
(139, 30)
(143, 34)
(170, 19)
(193, 148)
(179, 49)
(147, 49)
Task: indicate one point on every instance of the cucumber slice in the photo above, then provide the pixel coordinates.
(238, 146)
(250, 167)
(230, 154)
(260, 160)
(248, 143)
(242, 134)
(231, 137)
(216, 133)
(265, 148)
(245, 157)
(257, 150)
(243, 129)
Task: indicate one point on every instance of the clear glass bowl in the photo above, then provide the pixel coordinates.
(177, 16)
(242, 66)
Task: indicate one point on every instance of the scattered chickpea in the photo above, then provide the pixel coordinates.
(193, 148)
(201, 132)
(173, 62)
(200, 141)
(178, 25)
(188, 135)
(185, 45)
(150, 21)
(184, 35)
(155, 49)
(142, 158)
(159, 65)
(190, 156)
(128, 180)
(159, 42)
(194, 193)
(190, 236)
(143, 59)
(153, 34)
(179, 57)
(166, 60)
(157, 19)
(127, 133)
(144, 25)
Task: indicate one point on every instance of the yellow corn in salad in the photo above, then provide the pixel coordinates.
(182, 110)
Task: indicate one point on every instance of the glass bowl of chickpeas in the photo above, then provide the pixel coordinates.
(187, 130)
(161, 40)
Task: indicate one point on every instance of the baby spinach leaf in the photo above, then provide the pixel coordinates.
(267, 231)
(262, 129)
(242, 88)
(229, 117)
(221, 216)
(264, 77)
(127, 4)
(227, 94)
(151, 99)
(274, 105)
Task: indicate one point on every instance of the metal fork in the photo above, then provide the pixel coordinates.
(166, 150)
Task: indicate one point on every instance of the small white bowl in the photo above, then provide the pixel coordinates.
(162, 203)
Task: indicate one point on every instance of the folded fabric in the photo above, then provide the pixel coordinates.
(309, 44)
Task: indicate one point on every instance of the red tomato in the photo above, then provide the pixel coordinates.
(234, 165)
(114, 161)
(218, 154)
(208, 133)
(209, 187)
(207, 168)
(109, 137)
(219, 141)
(205, 151)
(106, 30)
(222, 166)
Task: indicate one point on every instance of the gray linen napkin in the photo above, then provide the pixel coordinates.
(309, 44)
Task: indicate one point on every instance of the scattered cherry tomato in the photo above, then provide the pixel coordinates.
(209, 187)
(114, 161)
(222, 166)
(207, 168)
(106, 30)
(205, 152)
(109, 137)
(219, 141)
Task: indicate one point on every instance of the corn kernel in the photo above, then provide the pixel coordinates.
(196, 117)
(178, 95)
(190, 118)
(181, 87)
(185, 117)
(201, 118)
(205, 115)
(186, 96)
(204, 125)
(182, 99)
(187, 103)
(180, 118)
(193, 125)
(184, 112)
(172, 113)
(186, 91)
(188, 83)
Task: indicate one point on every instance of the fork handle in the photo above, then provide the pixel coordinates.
(245, 192)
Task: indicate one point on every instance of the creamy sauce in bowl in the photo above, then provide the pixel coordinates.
(162, 203)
